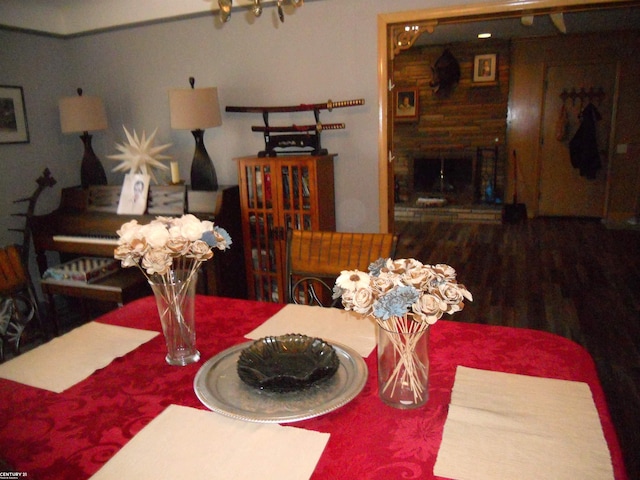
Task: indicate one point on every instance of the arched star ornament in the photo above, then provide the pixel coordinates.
(139, 156)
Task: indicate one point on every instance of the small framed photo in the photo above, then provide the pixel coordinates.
(13, 115)
(133, 198)
(407, 103)
(484, 68)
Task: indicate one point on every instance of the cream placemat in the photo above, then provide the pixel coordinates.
(72, 357)
(330, 324)
(184, 442)
(506, 426)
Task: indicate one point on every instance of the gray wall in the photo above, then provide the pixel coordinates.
(325, 50)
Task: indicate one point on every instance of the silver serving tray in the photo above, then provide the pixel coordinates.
(219, 388)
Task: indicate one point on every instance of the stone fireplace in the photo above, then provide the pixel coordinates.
(460, 177)
(449, 151)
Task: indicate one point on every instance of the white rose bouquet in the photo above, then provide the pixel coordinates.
(166, 244)
(396, 288)
(404, 297)
(169, 251)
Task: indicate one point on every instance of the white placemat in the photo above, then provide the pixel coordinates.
(66, 360)
(330, 324)
(507, 426)
(184, 442)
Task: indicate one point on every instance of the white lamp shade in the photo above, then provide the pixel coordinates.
(82, 114)
(194, 108)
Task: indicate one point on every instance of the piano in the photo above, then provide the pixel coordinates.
(85, 224)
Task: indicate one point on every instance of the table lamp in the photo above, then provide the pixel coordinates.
(84, 114)
(196, 109)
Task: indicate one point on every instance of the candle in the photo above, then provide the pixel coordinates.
(175, 172)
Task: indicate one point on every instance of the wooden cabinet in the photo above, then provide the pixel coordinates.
(277, 193)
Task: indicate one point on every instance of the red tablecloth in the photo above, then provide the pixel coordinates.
(70, 435)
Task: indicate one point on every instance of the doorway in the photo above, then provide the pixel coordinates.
(582, 88)
(394, 29)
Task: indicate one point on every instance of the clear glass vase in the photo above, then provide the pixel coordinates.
(403, 362)
(175, 298)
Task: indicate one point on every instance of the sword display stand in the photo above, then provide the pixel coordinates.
(295, 139)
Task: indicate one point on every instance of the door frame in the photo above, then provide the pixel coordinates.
(481, 11)
(610, 134)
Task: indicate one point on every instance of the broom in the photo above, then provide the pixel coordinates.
(514, 212)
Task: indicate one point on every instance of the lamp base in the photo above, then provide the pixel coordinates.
(203, 173)
(91, 170)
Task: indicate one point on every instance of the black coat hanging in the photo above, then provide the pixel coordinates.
(583, 147)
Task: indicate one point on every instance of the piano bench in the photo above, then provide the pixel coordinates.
(125, 285)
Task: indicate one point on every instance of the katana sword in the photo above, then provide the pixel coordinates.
(300, 128)
(329, 105)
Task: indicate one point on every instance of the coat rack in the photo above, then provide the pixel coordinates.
(582, 95)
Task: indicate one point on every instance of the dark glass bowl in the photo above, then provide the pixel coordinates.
(287, 362)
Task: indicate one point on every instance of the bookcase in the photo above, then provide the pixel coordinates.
(278, 193)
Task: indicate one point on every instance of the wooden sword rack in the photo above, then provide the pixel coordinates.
(295, 139)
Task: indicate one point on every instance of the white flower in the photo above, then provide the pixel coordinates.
(429, 308)
(191, 227)
(352, 280)
(156, 234)
(156, 261)
(128, 231)
(363, 301)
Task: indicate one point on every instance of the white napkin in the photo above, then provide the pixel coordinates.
(64, 361)
(184, 442)
(506, 426)
(330, 324)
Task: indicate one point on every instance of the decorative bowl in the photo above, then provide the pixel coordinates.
(287, 362)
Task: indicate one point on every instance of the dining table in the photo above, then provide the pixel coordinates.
(73, 433)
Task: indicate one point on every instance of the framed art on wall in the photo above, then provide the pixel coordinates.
(484, 68)
(406, 103)
(13, 115)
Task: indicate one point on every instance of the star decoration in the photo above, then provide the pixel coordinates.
(139, 156)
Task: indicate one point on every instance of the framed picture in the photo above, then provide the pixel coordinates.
(133, 198)
(13, 115)
(484, 68)
(406, 103)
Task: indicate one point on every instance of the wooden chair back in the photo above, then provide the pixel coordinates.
(18, 304)
(12, 274)
(316, 258)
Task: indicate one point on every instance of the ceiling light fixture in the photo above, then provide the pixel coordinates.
(527, 20)
(484, 35)
(558, 20)
(255, 6)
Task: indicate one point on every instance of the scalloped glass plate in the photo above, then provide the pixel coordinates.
(287, 362)
(219, 388)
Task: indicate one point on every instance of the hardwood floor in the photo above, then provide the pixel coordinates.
(571, 277)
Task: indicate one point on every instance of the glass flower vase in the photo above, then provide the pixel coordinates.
(403, 362)
(175, 298)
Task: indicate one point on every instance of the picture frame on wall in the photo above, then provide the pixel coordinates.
(13, 115)
(484, 68)
(407, 104)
